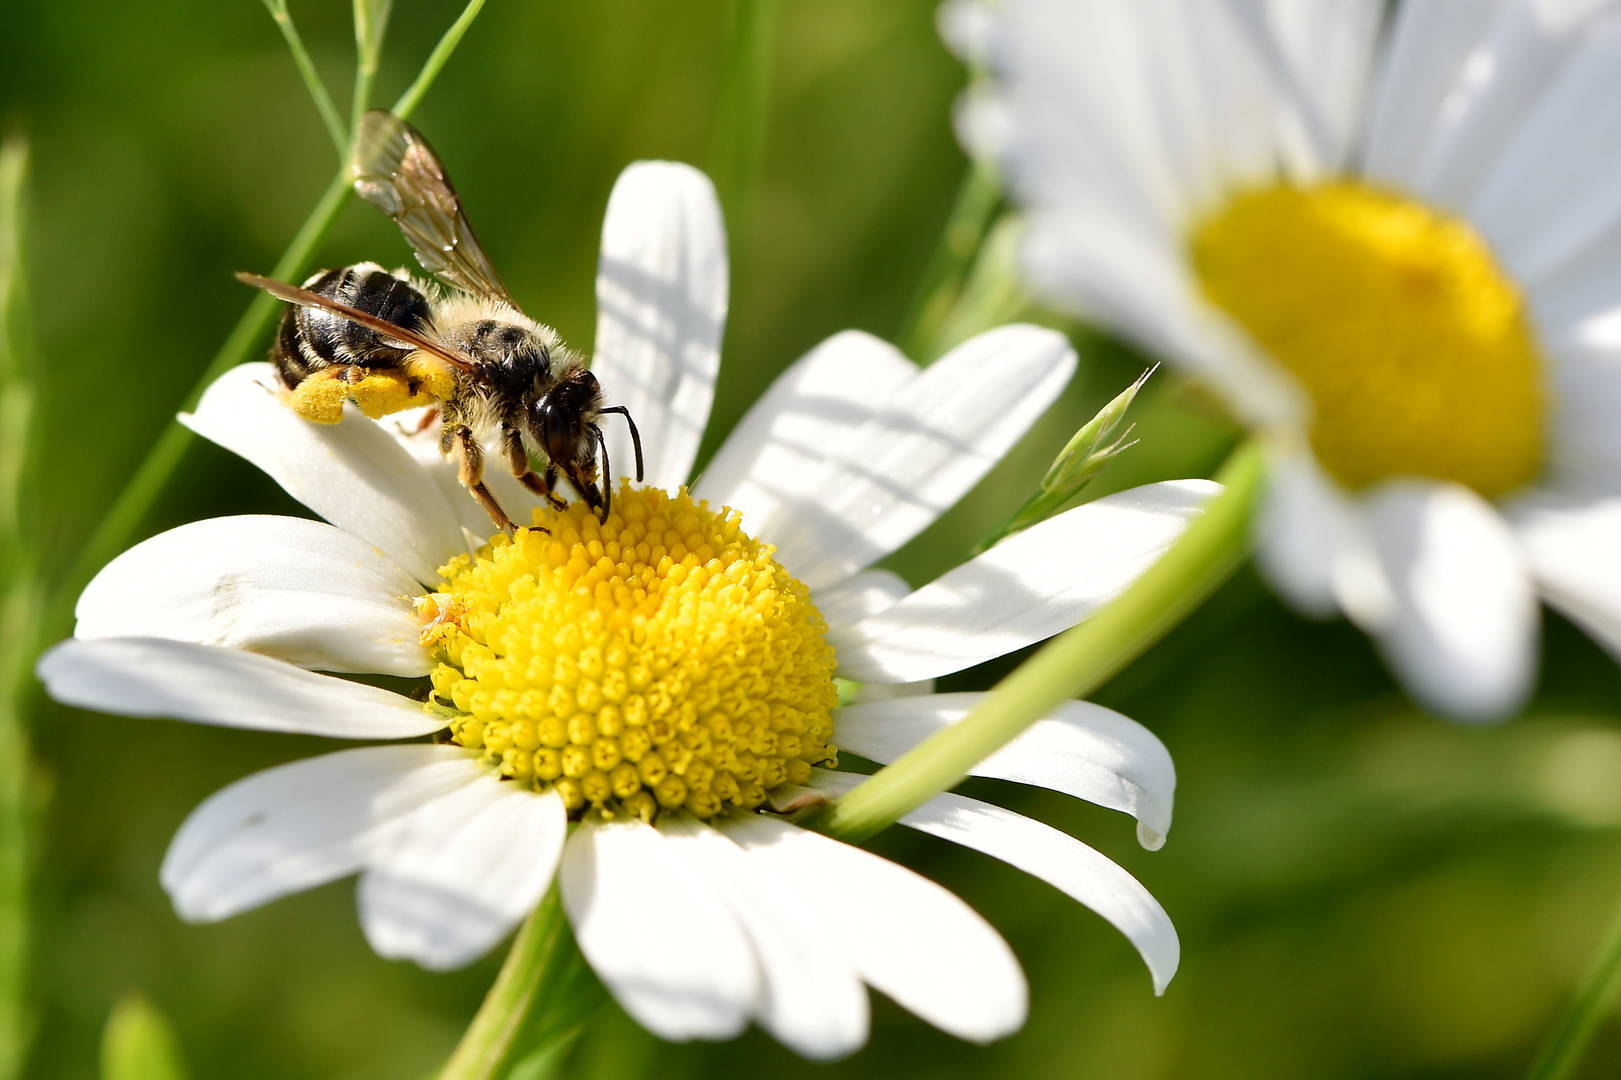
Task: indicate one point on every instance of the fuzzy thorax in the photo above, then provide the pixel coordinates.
(1412, 344)
(659, 660)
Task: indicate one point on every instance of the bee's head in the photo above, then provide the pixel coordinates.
(563, 423)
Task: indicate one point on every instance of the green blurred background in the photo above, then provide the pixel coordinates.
(1361, 890)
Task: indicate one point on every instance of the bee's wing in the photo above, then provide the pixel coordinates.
(305, 298)
(395, 170)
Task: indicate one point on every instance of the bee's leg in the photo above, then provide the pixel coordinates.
(540, 484)
(470, 472)
(426, 422)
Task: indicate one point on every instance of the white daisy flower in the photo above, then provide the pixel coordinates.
(1393, 247)
(615, 703)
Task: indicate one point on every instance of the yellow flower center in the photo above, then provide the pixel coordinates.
(662, 659)
(1413, 345)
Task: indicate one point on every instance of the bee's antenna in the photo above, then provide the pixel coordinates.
(635, 438)
(607, 474)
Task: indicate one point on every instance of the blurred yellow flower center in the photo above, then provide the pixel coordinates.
(1413, 345)
(662, 659)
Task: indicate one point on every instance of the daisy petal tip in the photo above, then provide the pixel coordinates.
(1150, 839)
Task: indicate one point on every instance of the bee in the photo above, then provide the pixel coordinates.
(388, 341)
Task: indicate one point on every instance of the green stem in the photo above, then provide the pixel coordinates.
(409, 100)
(1073, 664)
(1568, 1044)
(20, 612)
(312, 78)
(978, 198)
(371, 23)
(738, 149)
(539, 997)
(132, 504)
(128, 510)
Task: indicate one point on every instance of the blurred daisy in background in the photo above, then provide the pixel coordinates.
(614, 703)
(1392, 245)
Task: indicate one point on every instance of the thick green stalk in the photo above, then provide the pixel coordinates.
(1073, 664)
(978, 198)
(312, 78)
(537, 1001)
(20, 610)
(1565, 1048)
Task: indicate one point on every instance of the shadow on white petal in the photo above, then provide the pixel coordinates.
(1080, 749)
(907, 936)
(300, 590)
(1462, 638)
(300, 825)
(1029, 587)
(210, 685)
(811, 997)
(354, 474)
(936, 437)
(461, 872)
(657, 933)
(780, 459)
(661, 311)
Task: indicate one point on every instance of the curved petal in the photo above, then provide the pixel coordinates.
(354, 474)
(1458, 85)
(938, 435)
(461, 872)
(1553, 191)
(869, 593)
(907, 936)
(228, 687)
(1080, 749)
(1030, 586)
(418, 432)
(1463, 631)
(1573, 549)
(1055, 857)
(300, 825)
(661, 312)
(1312, 544)
(299, 590)
(660, 937)
(772, 467)
(812, 999)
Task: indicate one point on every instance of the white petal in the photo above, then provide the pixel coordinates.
(1080, 749)
(869, 593)
(299, 590)
(661, 311)
(1557, 186)
(300, 825)
(1461, 82)
(812, 999)
(1574, 548)
(657, 933)
(907, 936)
(939, 434)
(774, 465)
(421, 441)
(1313, 545)
(210, 685)
(461, 872)
(1462, 636)
(1028, 587)
(353, 473)
(1055, 857)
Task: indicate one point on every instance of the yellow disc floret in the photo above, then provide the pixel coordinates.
(659, 660)
(1414, 347)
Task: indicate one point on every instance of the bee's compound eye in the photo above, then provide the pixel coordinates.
(557, 424)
